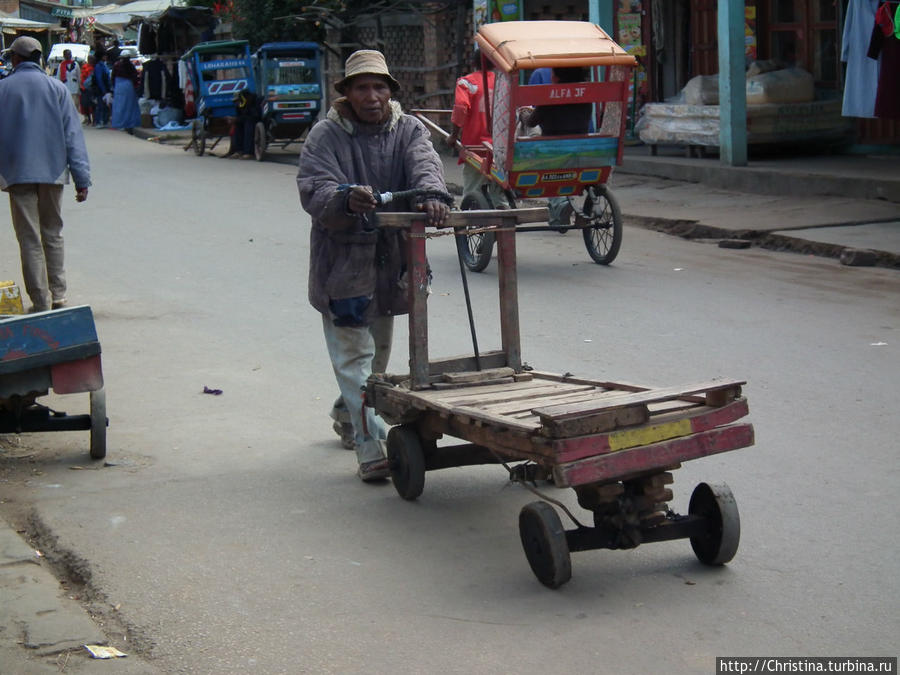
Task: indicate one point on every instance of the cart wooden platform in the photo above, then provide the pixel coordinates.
(615, 444)
(56, 350)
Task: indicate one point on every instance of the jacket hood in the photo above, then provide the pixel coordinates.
(342, 114)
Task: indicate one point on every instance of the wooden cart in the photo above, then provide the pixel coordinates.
(615, 444)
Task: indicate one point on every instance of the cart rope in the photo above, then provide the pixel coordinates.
(515, 479)
(461, 231)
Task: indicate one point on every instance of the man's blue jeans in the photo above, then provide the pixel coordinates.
(355, 354)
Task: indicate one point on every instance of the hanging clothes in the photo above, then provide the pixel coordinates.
(887, 48)
(861, 81)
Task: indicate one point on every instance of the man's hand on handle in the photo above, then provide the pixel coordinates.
(361, 199)
(437, 212)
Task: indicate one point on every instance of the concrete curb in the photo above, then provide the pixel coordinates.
(688, 229)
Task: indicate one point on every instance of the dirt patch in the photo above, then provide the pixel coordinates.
(76, 578)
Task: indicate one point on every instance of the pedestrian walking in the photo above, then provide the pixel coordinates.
(69, 74)
(87, 93)
(470, 127)
(126, 112)
(42, 142)
(357, 273)
(102, 86)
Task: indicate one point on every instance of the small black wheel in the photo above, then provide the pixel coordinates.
(476, 249)
(603, 235)
(544, 541)
(718, 543)
(98, 424)
(260, 140)
(407, 461)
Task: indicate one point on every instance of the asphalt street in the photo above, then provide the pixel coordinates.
(229, 534)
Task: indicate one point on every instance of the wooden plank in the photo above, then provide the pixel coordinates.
(452, 364)
(616, 400)
(494, 393)
(484, 217)
(497, 421)
(524, 404)
(509, 445)
(418, 311)
(507, 281)
(519, 400)
(604, 468)
(704, 419)
(444, 386)
(478, 376)
(611, 386)
(592, 424)
(618, 386)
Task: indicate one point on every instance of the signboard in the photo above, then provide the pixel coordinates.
(479, 13)
(505, 10)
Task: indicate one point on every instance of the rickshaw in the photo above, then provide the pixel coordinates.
(574, 167)
(288, 80)
(217, 70)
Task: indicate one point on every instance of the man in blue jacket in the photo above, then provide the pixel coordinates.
(42, 141)
(101, 88)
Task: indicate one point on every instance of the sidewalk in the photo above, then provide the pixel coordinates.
(42, 629)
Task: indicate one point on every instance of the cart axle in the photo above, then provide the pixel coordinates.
(674, 527)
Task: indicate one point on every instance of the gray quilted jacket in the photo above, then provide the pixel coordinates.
(348, 260)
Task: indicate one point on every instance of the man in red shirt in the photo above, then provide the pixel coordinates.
(70, 74)
(470, 127)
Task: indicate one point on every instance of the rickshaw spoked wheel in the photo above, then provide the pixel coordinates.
(476, 249)
(602, 231)
(260, 141)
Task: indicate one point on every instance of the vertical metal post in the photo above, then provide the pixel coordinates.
(600, 12)
(732, 84)
(417, 269)
(509, 295)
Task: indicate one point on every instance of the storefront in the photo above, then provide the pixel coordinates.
(676, 40)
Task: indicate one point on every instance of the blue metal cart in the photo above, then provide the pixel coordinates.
(55, 350)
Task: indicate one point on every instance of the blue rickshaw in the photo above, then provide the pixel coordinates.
(218, 71)
(288, 80)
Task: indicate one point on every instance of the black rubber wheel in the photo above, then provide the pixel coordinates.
(198, 131)
(603, 236)
(407, 461)
(719, 542)
(544, 541)
(260, 141)
(98, 424)
(476, 249)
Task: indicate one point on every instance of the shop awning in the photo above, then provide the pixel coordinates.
(11, 25)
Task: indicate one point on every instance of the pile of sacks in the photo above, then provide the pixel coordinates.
(767, 82)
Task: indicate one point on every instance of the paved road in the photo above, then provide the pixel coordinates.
(231, 535)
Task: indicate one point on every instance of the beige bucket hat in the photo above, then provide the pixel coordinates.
(366, 62)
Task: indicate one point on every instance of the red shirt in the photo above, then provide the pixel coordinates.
(468, 108)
